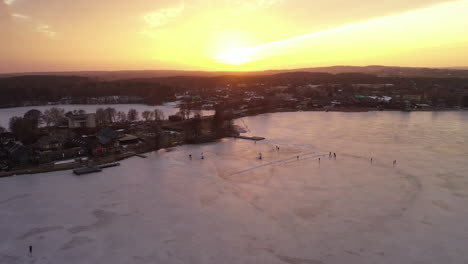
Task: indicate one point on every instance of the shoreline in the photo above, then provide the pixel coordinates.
(45, 168)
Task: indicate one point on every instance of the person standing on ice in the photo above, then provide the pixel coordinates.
(190, 156)
(334, 154)
(30, 250)
(260, 156)
(202, 156)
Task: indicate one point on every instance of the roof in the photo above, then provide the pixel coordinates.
(106, 135)
(128, 137)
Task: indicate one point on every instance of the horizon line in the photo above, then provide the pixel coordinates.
(461, 68)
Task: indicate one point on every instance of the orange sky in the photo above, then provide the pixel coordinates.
(58, 35)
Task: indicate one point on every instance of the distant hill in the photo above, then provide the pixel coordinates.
(16, 90)
(380, 71)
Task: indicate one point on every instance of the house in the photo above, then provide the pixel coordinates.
(82, 120)
(54, 155)
(51, 142)
(6, 137)
(107, 140)
(107, 136)
(18, 153)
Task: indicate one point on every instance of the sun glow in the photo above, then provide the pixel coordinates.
(236, 56)
(241, 35)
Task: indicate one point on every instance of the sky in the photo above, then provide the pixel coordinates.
(238, 35)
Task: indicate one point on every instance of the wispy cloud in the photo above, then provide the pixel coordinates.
(163, 15)
(9, 2)
(46, 30)
(156, 19)
(20, 16)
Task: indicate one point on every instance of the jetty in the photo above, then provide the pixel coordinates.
(93, 168)
(104, 166)
(250, 138)
(87, 170)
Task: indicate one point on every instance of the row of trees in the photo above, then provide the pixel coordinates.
(56, 116)
(110, 115)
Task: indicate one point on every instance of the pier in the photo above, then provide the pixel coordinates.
(250, 138)
(93, 168)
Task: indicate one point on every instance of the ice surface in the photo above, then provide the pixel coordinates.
(234, 208)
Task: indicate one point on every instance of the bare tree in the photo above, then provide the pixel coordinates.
(54, 116)
(147, 115)
(197, 113)
(2, 129)
(121, 117)
(110, 113)
(132, 115)
(158, 115)
(101, 116)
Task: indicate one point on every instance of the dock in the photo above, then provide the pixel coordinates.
(93, 168)
(250, 138)
(87, 170)
(141, 156)
(104, 166)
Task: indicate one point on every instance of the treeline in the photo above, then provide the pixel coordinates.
(15, 90)
(202, 84)
(26, 128)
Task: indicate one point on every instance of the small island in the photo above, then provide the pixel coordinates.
(55, 140)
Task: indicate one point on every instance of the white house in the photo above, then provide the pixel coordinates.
(82, 120)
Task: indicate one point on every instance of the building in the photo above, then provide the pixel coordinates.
(82, 120)
(18, 153)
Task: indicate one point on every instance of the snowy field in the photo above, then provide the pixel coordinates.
(168, 109)
(233, 208)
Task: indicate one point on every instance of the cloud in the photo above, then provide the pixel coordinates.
(20, 16)
(46, 30)
(163, 16)
(156, 19)
(9, 2)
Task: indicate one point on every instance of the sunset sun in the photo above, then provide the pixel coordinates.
(236, 56)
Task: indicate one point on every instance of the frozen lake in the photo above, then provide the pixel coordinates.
(234, 208)
(168, 109)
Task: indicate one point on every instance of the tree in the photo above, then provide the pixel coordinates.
(222, 121)
(147, 115)
(35, 116)
(2, 129)
(121, 117)
(101, 116)
(158, 115)
(184, 113)
(110, 113)
(132, 115)
(54, 116)
(23, 129)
